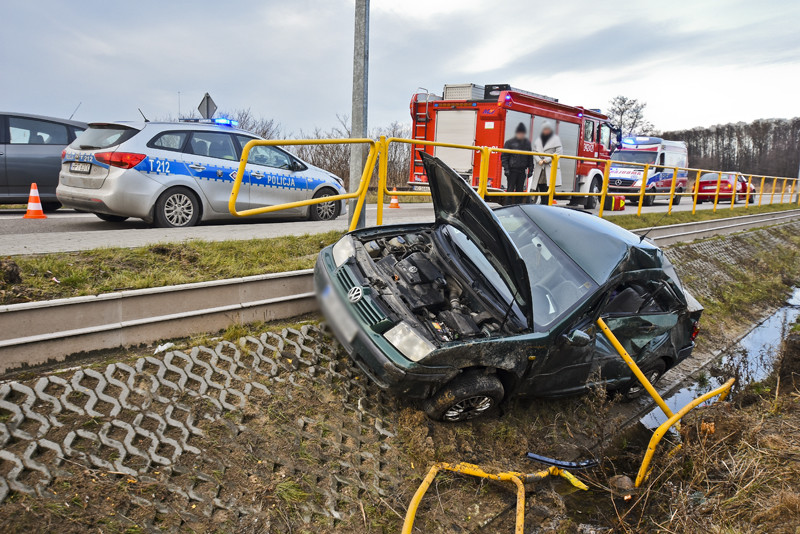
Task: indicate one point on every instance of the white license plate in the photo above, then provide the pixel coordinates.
(78, 166)
(342, 321)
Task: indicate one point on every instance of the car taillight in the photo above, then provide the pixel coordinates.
(123, 160)
(695, 330)
(63, 153)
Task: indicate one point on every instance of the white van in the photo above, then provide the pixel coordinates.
(661, 154)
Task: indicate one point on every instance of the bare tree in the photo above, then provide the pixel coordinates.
(262, 127)
(628, 115)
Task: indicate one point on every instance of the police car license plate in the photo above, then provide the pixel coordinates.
(342, 321)
(83, 168)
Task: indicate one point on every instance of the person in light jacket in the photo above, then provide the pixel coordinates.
(547, 142)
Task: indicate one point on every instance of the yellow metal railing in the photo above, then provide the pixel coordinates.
(673, 419)
(379, 151)
(360, 194)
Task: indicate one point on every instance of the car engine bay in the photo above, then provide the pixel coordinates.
(411, 274)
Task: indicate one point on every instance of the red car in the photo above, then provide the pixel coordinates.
(708, 187)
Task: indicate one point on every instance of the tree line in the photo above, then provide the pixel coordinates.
(766, 146)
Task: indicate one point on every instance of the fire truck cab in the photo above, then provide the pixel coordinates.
(475, 115)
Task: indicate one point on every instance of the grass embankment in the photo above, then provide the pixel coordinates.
(50, 276)
(631, 221)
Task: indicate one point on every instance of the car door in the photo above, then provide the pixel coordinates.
(213, 161)
(3, 150)
(33, 154)
(275, 176)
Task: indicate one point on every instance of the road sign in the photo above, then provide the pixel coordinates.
(207, 107)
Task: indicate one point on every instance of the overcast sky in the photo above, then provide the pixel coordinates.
(695, 63)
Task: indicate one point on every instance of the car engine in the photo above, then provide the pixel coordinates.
(412, 271)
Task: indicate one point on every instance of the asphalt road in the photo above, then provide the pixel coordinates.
(66, 230)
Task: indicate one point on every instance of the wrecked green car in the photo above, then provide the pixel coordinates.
(484, 305)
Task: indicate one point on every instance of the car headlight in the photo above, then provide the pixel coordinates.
(343, 250)
(336, 179)
(409, 342)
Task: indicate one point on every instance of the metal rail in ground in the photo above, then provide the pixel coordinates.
(38, 332)
(677, 233)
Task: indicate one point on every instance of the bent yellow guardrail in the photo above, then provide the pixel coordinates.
(360, 194)
(661, 431)
(464, 468)
(673, 419)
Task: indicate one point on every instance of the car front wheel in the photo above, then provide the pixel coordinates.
(653, 373)
(324, 211)
(466, 397)
(177, 208)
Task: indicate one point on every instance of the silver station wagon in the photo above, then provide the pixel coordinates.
(176, 174)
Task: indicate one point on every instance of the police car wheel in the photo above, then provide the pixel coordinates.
(177, 208)
(324, 211)
(111, 218)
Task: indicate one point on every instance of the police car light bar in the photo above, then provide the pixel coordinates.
(222, 121)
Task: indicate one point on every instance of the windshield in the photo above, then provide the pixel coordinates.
(634, 156)
(102, 136)
(557, 283)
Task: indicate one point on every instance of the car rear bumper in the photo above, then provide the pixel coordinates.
(412, 380)
(129, 194)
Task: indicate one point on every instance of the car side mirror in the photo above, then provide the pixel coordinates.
(578, 338)
(296, 166)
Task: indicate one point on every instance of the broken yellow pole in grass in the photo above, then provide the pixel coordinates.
(475, 471)
(661, 431)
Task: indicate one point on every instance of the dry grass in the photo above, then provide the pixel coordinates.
(631, 221)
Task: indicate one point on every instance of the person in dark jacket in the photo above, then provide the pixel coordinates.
(517, 167)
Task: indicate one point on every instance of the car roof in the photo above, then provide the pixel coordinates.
(45, 118)
(599, 247)
(174, 125)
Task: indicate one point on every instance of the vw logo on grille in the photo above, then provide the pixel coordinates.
(617, 182)
(355, 294)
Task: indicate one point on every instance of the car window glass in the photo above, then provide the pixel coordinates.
(269, 156)
(605, 135)
(212, 144)
(588, 131)
(169, 140)
(103, 136)
(36, 132)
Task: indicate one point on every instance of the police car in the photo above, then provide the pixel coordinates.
(178, 174)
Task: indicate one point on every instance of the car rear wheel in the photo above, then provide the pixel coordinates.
(591, 202)
(466, 397)
(653, 373)
(111, 218)
(177, 208)
(324, 211)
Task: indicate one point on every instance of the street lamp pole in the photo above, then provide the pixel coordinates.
(358, 126)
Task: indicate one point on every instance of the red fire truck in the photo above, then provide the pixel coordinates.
(469, 114)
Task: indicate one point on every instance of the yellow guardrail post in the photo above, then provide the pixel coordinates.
(643, 188)
(734, 193)
(635, 368)
(551, 187)
(696, 191)
(772, 194)
(383, 171)
(722, 391)
(483, 171)
(672, 190)
(747, 197)
(604, 191)
(716, 193)
(360, 194)
(783, 190)
(761, 190)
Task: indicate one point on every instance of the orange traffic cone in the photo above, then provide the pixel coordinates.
(395, 203)
(554, 203)
(34, 205)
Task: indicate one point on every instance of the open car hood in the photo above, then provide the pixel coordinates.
(457, 204)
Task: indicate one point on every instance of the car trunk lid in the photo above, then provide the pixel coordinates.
(457, 204)
(80, 167)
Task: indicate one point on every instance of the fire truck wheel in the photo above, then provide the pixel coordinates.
(324, 211)
(591, 202)
(677, 199)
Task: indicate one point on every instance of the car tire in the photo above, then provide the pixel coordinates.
(111, 218)
(591, 202)
(50, 207)
(654, 372)
(466, 397)
(324, 211)
(178, 207)
(649, 200)
(676, 200)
